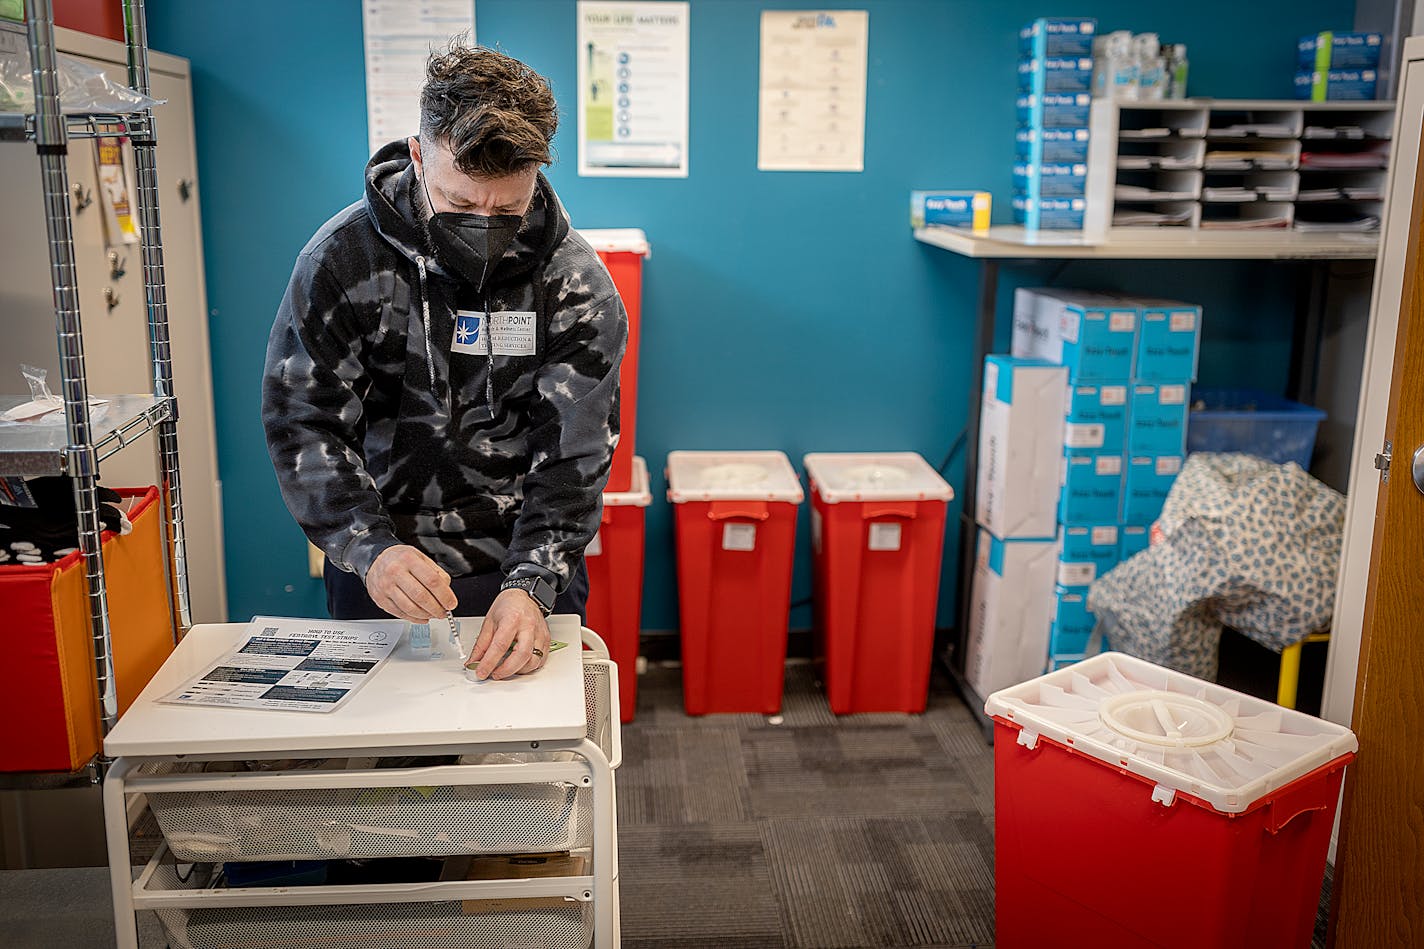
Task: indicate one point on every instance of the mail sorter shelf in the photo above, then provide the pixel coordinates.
(33, 449)
(1146, 162)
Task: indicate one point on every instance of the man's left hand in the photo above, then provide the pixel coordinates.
(514, 620)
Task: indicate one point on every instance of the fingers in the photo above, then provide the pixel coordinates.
(406, 583)
(482, 642)
(436, 582)
(420, 596)
(400, 605)
(493, 659)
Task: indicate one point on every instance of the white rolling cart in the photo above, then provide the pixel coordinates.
(536, 756)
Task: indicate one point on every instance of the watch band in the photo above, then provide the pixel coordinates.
(541, 591)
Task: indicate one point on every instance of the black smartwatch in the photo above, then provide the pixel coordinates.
(541, 591)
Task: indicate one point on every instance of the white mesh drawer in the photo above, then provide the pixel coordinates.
(451, 924)
(335, 823)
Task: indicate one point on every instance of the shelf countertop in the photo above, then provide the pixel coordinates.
(1016, 243)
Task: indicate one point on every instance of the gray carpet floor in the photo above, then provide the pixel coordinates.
(738, 832)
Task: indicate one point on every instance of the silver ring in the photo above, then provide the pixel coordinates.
(539, 652)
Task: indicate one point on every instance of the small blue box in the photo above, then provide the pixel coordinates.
(1067, 74)
(1072, 623)
(1053, 180)
(1099, 340)
(1349, 85)
(1096, 416)
(1049, 214)
(1036, 146)
(1086, 552)
(1092, 488)
(1058, 36)
(1054, 110)
(950, 209)
(1330, 50)
(1157, 423)
(1149, 479)
(1169, 341)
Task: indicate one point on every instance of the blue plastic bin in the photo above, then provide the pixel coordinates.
(1254, 422)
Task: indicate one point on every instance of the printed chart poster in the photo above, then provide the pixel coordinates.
(632, 75)
(294, 665)
(813, 90)
(399, 35)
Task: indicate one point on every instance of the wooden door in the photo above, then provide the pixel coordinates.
(1379, 872)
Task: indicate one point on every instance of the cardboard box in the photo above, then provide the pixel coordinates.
(1096, 416)
(1325, 51)
(1336, 84)
(1134, 538)
(1086, 553)
(1092, 488)
(1051, 180)
(523, 866)
(1061, 74)
(1038, 145)
(1010, 610)
(1054, 109)
(950, 209)
(1157, 421)
(1072, 626)
(1049, 214)
(1169, 340)
(1149, 478)
(1094, 335)
(1058, 36)
(1020, 441)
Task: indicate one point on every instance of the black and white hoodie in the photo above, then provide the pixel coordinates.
(381, 434)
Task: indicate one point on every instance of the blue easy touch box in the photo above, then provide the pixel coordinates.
(1058, 36)
(1169, 341)
(1039, 145)
(1325, 51)
(1054, 109)
(950, 209)
(1157, 420)
(1149, 478)
(1053, 180)
(1092, 488)
(1020, 447)
(1096, 416)
(1072, 623)
(1134, 538)
(1011, 607)
(1095, 336)
(1072, 74)
(1336, 85)
(1086, 552)
(1049, 214)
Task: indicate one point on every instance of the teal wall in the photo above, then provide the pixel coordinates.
(782, 310)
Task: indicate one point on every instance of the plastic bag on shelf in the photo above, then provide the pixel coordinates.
(83, 88)
(1245, 543)
(44, 407)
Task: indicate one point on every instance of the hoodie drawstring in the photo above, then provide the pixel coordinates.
(425, 316)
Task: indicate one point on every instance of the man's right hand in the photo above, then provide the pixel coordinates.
(409, 585)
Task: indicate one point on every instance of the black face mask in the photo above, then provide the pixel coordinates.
(470, 244)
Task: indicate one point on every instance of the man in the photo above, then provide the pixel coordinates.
(441, 388)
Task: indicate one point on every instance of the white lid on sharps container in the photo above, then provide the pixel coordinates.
(1222, 747)
(860, 476)
(639, 495)
(732, 476)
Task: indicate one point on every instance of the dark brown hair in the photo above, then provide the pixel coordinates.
(495, 114)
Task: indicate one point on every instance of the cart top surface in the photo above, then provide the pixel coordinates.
(411, 702)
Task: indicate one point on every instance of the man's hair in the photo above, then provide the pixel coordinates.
(495, 114)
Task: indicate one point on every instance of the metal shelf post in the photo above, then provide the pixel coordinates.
(145, 147)
(51, 138)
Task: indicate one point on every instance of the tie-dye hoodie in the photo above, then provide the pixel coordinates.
(380, 435)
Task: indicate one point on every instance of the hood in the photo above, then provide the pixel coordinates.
(393, 207)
